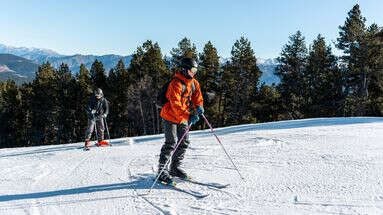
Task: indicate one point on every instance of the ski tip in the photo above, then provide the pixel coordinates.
(219, 186)
(202, 196)
(224, 186)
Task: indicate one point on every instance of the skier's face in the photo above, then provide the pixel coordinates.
(98, 96)
(192, 71)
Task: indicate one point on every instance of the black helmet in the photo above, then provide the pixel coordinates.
(188, 63)
(98, 93)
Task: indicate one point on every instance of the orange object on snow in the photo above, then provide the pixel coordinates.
(177, 109)
(103, 143)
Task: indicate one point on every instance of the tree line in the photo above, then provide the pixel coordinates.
(314, 83)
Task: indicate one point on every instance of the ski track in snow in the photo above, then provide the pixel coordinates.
(313, 166)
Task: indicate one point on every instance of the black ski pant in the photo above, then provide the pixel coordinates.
(99, 123)
(173, 132)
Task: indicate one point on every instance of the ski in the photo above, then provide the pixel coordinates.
(87, 148)
(91, 146)
(195, 194)
(213, 184)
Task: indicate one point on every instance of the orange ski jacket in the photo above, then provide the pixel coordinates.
(181, 102)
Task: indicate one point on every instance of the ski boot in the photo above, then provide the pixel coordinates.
(87, 144)
(176, 171)
(165, 178)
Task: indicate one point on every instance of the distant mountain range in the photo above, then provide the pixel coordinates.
(40, 56)
(35, 56)
(74, 61)
(17, 68)
(267, 66)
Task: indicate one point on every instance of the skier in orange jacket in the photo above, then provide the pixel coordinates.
(184, 104)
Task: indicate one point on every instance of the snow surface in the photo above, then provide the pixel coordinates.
(314, 166)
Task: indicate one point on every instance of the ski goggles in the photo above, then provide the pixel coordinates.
(98, 96)
(193, 70)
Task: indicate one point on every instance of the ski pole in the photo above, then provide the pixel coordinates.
(95, 128)
(212, 131)
(107, 131)
(171, 155)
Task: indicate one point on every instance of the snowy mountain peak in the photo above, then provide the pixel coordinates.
(22, 51)
(4, 68)
(267, 61)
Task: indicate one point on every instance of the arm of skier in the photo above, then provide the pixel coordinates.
(106, 104)
(196, 97)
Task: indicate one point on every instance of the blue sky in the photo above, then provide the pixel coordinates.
(118, 27)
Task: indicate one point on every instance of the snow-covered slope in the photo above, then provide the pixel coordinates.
(315, 166)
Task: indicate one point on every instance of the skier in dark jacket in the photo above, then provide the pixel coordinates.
(97, 110)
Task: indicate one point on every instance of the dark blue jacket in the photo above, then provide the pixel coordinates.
(100, 105)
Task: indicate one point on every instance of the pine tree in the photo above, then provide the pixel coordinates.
(324, 78)
(2, 89)
(228, 89)
(268, 106)
(375, 67)
(98, 76)
(352, 41)
(44, 106)
(82, 94)
(136, 91)
(119, 114)
(154, 66)
(291, 71)
(149, 72)
(352, 32)
(84, 79)
(245, 73)
(208, 76)
(11, 116)
(185, 49)
(67, 105)
(25, 127)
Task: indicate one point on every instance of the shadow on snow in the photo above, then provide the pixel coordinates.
(143, 181)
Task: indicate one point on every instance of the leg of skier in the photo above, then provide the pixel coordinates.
(179, 154)
(89, 131)
(170, 130)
